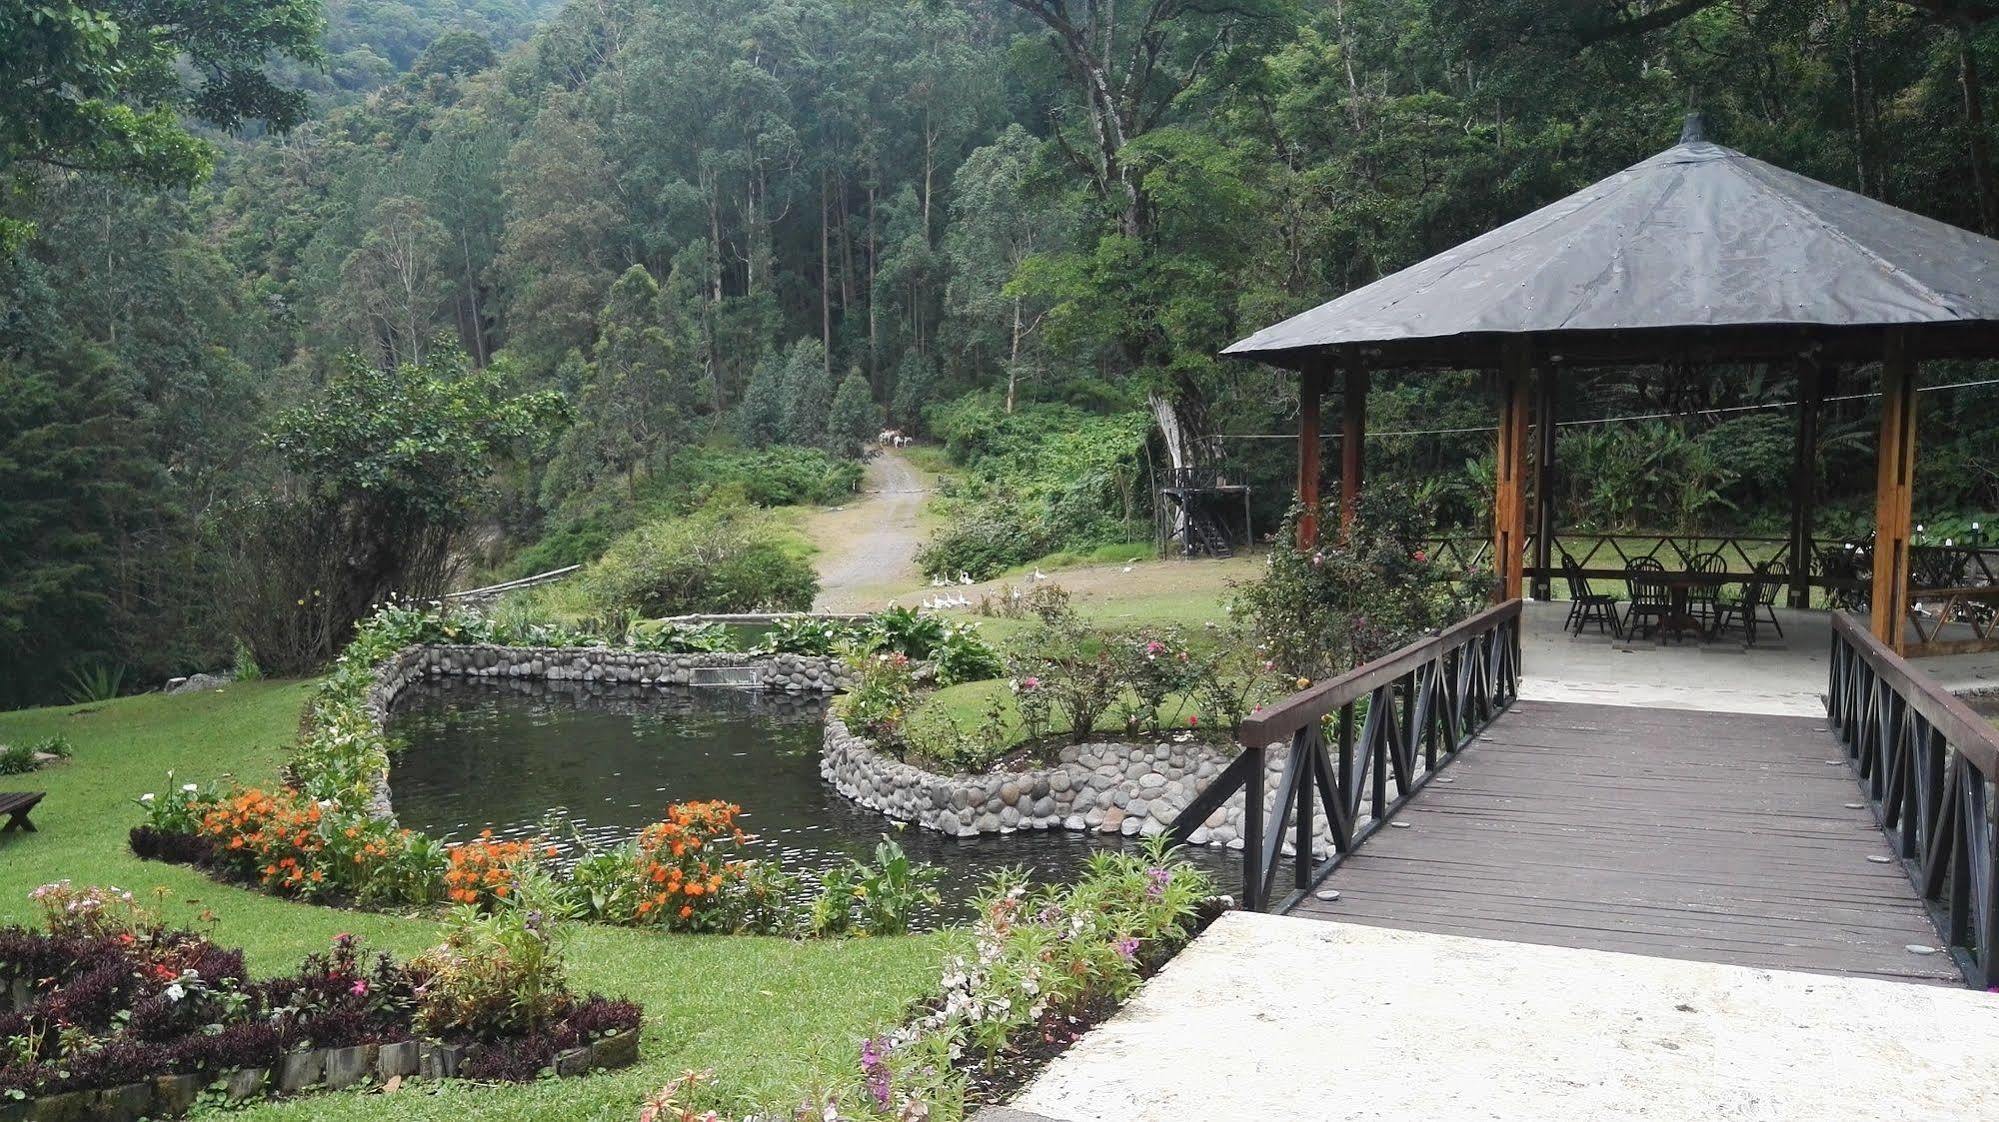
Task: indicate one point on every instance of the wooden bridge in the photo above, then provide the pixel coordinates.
(1861, 843)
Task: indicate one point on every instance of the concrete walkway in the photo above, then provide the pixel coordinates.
(1268, 1017)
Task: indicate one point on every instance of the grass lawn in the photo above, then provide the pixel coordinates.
(771, 1017)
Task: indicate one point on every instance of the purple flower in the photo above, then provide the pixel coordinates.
(1126, 947)
(1156, 880)
(874, 1065)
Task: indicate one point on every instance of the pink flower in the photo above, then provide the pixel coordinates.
(359, 988)
(1193, 720)
(1421, 556)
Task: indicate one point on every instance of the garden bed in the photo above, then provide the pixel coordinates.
(111, 1016)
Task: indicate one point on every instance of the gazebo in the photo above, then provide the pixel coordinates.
(1700, 255)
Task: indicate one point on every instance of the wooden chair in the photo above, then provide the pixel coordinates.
(1757, 603)
(16, 805)
(1651, 599)
(1585, 606)
(1704, 600)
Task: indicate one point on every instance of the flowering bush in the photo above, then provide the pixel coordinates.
(286, 842)
(88, 913)
(178, 809)
(683, 865)
(484, 872)
(1323, 610)
(1043, 964)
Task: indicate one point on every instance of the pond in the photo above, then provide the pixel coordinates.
(1984, 704)
(507, 755)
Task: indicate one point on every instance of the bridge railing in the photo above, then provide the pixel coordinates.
(1400, 718)
(1926, 764)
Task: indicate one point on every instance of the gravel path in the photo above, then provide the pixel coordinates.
(867, 549)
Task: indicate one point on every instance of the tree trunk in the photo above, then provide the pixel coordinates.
(874, 353)
(1013, 360)
(1856, 93)
(1974, 126)
(825, 273)
(1174, 437)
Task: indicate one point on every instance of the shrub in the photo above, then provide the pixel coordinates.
(686, 638)
(1079, 674)
(983, 540)
(90, 912)
(16, 759)
(483, 872)
(295, 844)
(880, 698)
(903, 631)
(718, 561)
(498, 972)
(807, 635)
(962, 656)
(683, 867)
(1321, 611)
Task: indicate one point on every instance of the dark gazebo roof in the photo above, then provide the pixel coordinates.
(1699, 253)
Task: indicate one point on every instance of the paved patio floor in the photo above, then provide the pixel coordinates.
(1782, 676)
(1270, 1017)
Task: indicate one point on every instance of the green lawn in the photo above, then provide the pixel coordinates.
(771, 1017)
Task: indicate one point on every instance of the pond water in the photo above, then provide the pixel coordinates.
(506, 755)
(1985, 705)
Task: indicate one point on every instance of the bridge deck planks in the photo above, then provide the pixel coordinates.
(1719, 837)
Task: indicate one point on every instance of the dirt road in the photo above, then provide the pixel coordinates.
(867, 549)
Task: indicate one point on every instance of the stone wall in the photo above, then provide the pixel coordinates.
(1105, 787)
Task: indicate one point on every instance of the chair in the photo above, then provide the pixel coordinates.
(1704, 600)
(1651, 599)
(1585, 606)
(1757, 603)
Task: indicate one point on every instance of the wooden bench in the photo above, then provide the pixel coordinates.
(16, 805)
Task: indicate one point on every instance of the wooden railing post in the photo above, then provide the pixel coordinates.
(1252, 835)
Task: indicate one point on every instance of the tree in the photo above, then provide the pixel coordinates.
(808, 394)
(101, 86)
(561, 237)
(65, 462)
(854, 419)
(393, 283)
(382, 470)
(634, 409)
(998, 221)
(760, 415)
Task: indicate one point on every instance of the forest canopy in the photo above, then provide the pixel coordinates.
(718, 229)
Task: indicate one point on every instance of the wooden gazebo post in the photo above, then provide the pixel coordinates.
(1894, 491)
(1311, 389)
(1353, 441)
(1509, 506)
(1544, 483)
(1814, 377)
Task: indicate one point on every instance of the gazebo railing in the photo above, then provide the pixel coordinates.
(1926, 765)
(1400, 718)
(1841, 568)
